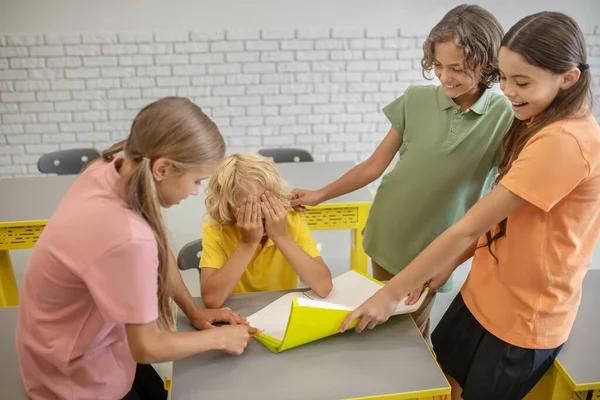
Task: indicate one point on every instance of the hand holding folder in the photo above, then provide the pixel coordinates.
(302, 317)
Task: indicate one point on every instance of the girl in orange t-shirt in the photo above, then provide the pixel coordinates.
(532, 236)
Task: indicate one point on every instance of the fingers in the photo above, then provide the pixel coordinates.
(235, 318)
(253, 331)
(266, 210)
(372, 324)
(203, 325)
(362, 324)
(368, 320)
(259, 219)
(353, 315)
(275, 203)
(248, 211)
(239, 213)
(255, 213)
(296, 201)
(413, 297)
(228, 317)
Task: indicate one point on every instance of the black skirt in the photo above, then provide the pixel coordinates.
(485, 367)
(147, 385)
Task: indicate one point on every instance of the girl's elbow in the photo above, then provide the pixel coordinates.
(142, 354)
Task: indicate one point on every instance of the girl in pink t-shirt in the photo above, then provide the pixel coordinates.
(95, 297)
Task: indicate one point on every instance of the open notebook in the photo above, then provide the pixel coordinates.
(303, 317)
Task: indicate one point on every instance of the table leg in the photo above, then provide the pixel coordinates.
(358, 258)
(9, 295)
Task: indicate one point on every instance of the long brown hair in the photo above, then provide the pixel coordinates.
(175, 129)
(552, 41)
(477, 32)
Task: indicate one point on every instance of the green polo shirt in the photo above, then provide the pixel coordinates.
(448, 161)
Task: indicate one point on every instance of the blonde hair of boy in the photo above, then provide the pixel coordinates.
(238, 173)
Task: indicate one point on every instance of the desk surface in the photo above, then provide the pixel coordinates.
(390, 359)
(30, 199)
(27, 199)
(315, 175)
(580, 356)
(10, 376)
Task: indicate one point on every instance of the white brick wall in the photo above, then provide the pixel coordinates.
(315, 88)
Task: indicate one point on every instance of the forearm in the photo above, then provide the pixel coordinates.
(166, 346)
(311, 270)
(443, 255)
(221, 283)
(180, 292)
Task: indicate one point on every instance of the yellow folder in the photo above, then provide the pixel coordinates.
(299, 318)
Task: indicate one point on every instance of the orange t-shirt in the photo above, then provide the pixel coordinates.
(530, 297)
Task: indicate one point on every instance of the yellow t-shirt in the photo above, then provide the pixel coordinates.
(530, 297)
(268, 269)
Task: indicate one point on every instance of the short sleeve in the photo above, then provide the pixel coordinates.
(213, 255)
(549, 167)
(124, 283)
(396, 112)
(304, 237)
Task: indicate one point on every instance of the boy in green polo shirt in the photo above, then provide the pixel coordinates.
(452, 136)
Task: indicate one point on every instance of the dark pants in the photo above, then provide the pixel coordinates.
(147, 385)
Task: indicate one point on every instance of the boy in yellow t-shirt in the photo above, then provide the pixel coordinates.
(253, 241)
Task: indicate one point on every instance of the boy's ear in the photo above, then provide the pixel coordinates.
(570, 78)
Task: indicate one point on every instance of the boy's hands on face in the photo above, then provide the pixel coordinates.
(249, 221)
(275, 216)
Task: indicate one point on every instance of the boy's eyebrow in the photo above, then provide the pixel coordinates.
(435, 60)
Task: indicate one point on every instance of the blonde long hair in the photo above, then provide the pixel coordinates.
(238, 172)
(175, 129)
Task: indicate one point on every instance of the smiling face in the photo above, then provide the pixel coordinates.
(459, 83)
(530, 89)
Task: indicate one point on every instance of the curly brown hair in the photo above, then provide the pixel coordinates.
(477, 32)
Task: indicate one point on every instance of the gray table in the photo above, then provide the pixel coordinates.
(29, 199)
(11, 385)
(315, 175)
(390, 359)
(35, 199)
(580, 356)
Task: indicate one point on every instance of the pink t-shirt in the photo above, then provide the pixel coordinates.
(93, 270)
